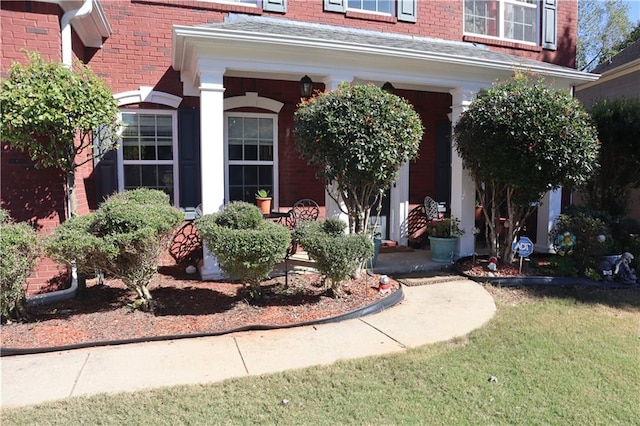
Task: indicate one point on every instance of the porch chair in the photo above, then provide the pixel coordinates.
(305, 209)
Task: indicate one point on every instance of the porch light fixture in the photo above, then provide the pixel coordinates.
(388, 87)
(306, 87)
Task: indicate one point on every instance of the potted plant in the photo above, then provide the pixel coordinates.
(443, 235)
(263, 201)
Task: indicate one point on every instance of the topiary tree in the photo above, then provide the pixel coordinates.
(20, 251)
(124, 238)
(61, 117)
(336, 254)
(246, 245)
(618, 124)
(358, 137)
(519, 140)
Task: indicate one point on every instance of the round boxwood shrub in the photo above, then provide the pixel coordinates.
(124, 238)
(20, 251)
(337, 255)
(246, 245)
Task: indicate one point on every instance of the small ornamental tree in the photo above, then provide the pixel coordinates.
(618, 124)
(19, 252)
(246, 245)
(61, 117)
(519, 140)
(124, 238)
(336, 254)
(357, 137)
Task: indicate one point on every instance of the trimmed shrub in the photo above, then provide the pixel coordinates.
(337, 255)
(20, 251)
(123, 238)
(247, 246)
(587, 229)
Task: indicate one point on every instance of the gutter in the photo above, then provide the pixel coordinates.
(65, 29)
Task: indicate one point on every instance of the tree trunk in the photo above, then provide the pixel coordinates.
(70, 188)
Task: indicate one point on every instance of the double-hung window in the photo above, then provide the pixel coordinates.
(251, 152)
(147, 156)
(385, 7)
(516, 20)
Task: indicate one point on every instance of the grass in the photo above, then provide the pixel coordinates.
(559, 357)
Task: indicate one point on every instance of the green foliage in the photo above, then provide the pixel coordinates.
(239, 215)
(519, 140)
(603, 27)
(357, 137)
(589, 244)
(263, 193)
(20, 251)
(337, 255)
(445, 228)
(55, 113)
(626, 238)
(124, 238)
(247, 246)
(618, 124)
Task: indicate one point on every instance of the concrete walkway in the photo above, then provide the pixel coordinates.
(429, 313)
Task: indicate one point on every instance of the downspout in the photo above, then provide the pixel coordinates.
(56, 296)
(67, 59)
(65, 29)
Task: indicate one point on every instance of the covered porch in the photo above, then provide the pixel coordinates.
(212, 58)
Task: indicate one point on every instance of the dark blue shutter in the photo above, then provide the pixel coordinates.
(279, 6)
(189, 157)
(407, 10)
(549, 24)
(335, 5)
(105, 171)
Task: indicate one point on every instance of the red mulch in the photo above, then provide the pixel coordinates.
(478, 267)
(186, 305)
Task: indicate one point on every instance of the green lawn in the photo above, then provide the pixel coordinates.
(560, 357)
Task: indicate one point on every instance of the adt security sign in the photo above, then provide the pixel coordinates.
(523, 247)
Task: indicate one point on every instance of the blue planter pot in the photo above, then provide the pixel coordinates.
(377, 243)
(442, 249)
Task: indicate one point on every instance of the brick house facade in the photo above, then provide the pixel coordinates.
(210, 88)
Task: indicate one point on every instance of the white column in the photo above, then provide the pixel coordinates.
(399, 206)
(548, 211)
(211, 158)
(462, 186)
(332, 209)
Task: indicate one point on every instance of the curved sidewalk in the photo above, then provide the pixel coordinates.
(428, 314)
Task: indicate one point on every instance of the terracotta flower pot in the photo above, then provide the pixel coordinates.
(264, 204)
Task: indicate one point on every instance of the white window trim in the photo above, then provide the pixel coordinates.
(175, 162)
(231, 2)
(274, 163)
(501, 37)
(372, 12)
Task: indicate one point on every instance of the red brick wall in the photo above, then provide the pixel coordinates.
(139, 53)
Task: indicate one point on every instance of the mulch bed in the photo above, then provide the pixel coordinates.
(186, 306)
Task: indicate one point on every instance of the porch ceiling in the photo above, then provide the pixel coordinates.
(282, 49)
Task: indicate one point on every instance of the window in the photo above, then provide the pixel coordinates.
(251, 151)
(506, 19)
(148, 151)
(377, 6)
(402, 10)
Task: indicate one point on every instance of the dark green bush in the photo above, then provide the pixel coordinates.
(337, 255)
(588, 231)
(124, 238)
(247, 246)
(20, 250)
